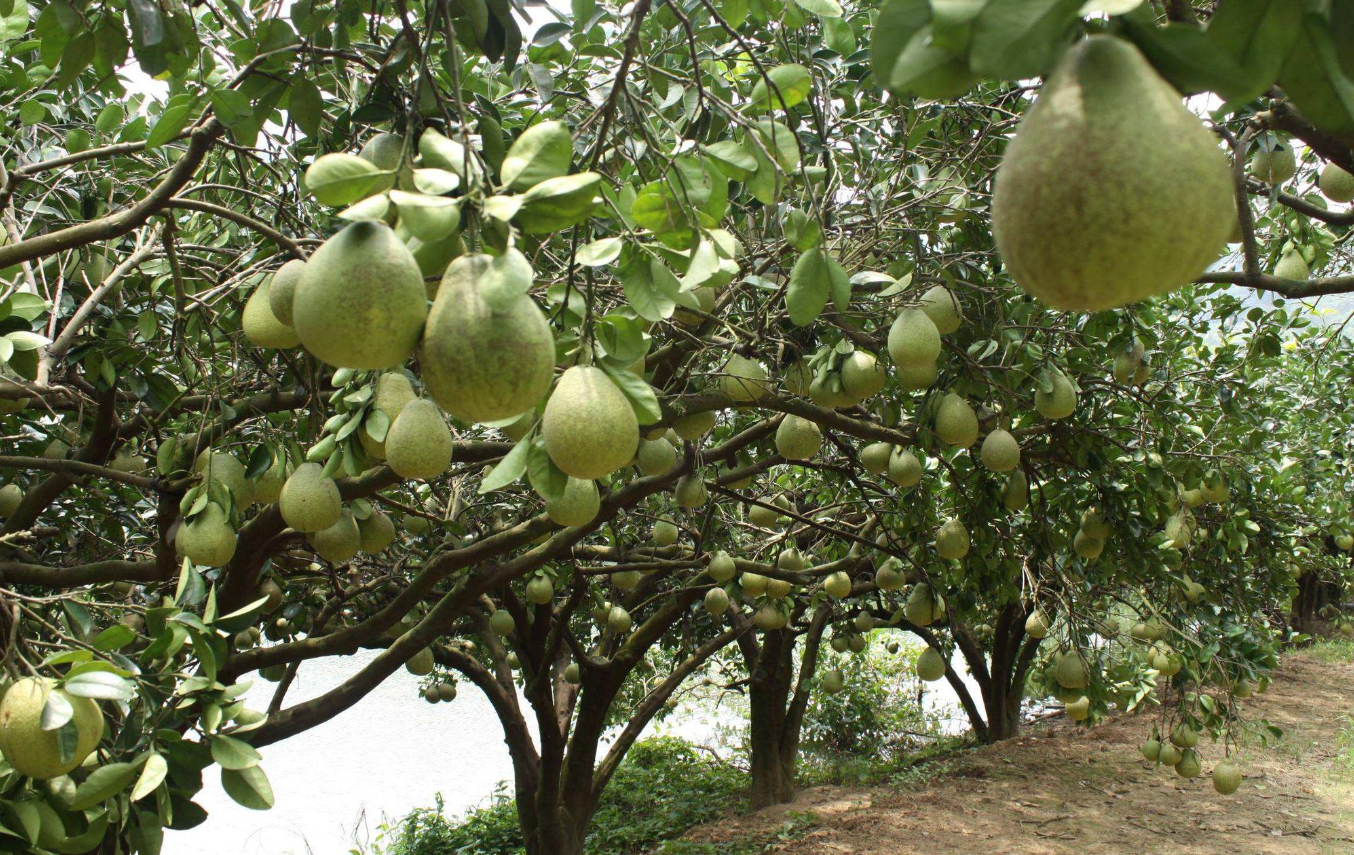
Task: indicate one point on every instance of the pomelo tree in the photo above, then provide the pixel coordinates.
(549, 352)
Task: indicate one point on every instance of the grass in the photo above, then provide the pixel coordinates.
(1332, 650)
(796, 826)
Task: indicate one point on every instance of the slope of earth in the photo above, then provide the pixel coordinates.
(1070, 791)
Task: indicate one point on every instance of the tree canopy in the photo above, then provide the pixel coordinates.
(565, 352)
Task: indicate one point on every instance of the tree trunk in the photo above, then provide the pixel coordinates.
(773, 750)
(1003, 711)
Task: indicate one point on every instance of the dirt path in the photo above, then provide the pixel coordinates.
(1077, 792)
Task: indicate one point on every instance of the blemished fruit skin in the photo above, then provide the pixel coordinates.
(360, 302)
(393, 391)
(1060, 402)
(930, 665)
(261, 326)
(1112, 190)
(578, 505)
(942, 307)
(282, 289)
(1226, 777)
(419, 445)
(33, 751)
(310, 502)
(484, 359)
(952, 540)
(798, 438)
(913, 339)
(377, 531)
(1001, 451)
(588, 425)
(1336, 184)
(956, 423)
(340, 542)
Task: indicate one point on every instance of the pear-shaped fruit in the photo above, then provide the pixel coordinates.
(952, 540)
(923, 607)
(11, 495)
(905, 468)
(310, 501)
(540, 590)
(942, 306)
(1150, 750)
(913, 339)
(875, 457)
(930, 665)
(261, 326)
(1015, 496)
(1036, 625)
(1070, 671)
(694, 425)
(485, 356)
(1087, 547)
(377, 532)
(223, 468)
(360, 302)
(1336, 184)
(721, 567)
(691, 492)
(838, 585)
(282, 289)
(956, 423)
(752, 584)
(501, 623)
(1168, 755)
(862, 375)
(421, 663)
(1183, 735)
(1226, 777)
(36, 752)
(207, 539)
(1112, 190)
(913, 378)
(743, 380)
(834, 681)
(1291, 265)
(655, 456)
(716, 601)
(577, 505)
(340, 542)
(1079, 709)
(393, 390)
(1276, 164)
(618, 620)
(1001, 451)
(267, 487)
(664, 532)
(419, 445)
(763, 517)
(768, 618)
(588, 426)
(798, 438)
(1060, 400)
(1190, 764)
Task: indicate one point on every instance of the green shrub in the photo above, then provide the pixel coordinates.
(663, 787)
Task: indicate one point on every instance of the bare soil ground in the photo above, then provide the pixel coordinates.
(1068, 791)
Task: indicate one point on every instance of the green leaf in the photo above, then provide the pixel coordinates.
(732, 159)
(230, 753)
(56, 711)
(801, 231)
(114, 637)
(436, 182)
(1021, 38)
(600, 252)
(1258, 35)
(340, 179)
(170, 124)
(428, 218)
(543, 151)
(638, 391)
(821, 8)
(101, 685)
(789, 85)
(650, 288)
(507, 279)
(15, 23)
(545, 478)
(305, 105)
(248, 787)
(508, 470)
(25, 340)
(839, 36)
(839, 284)
(1315, 81)
(102, 784)
(807, 292)
(1184, 55)
(152, 774)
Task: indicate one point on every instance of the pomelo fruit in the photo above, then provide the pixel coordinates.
(35, 752)
(310, 501)
(588, 426)
(419, 445)
(261, 326)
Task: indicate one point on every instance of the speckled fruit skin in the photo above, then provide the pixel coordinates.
(282, 289)
(588, 426)
(1111, 190)
(360, 302)
(310, 501)
(481, 361)
(261, 326)
(419, 444)
(33, 751)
